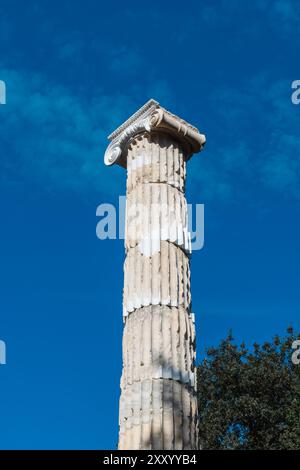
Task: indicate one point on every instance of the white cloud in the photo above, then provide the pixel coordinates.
(254, 145)
(56, 138)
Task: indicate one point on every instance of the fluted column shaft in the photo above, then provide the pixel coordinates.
(158, 405)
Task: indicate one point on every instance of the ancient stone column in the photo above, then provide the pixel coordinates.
(158, 405)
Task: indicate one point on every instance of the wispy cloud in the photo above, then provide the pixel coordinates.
(55, 137)
(254, 143)
(281, 16)
(285, 13)
(54, 127)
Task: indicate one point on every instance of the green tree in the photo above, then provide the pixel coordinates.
(250, 398)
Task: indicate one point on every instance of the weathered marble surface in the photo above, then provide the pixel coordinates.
(158, 405)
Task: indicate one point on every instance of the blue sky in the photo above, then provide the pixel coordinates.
(76, 70)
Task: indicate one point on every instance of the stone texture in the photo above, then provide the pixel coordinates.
(158, 405)
(158, 414)
(163, 278)
(159, 342)
(156, 212)
(155, 158)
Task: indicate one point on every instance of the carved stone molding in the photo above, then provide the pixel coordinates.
(152, 117)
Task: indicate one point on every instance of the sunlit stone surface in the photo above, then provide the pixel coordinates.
(158, 406)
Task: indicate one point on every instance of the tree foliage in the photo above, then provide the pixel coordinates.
(250, 398)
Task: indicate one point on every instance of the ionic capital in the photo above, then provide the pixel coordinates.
(149, 118)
